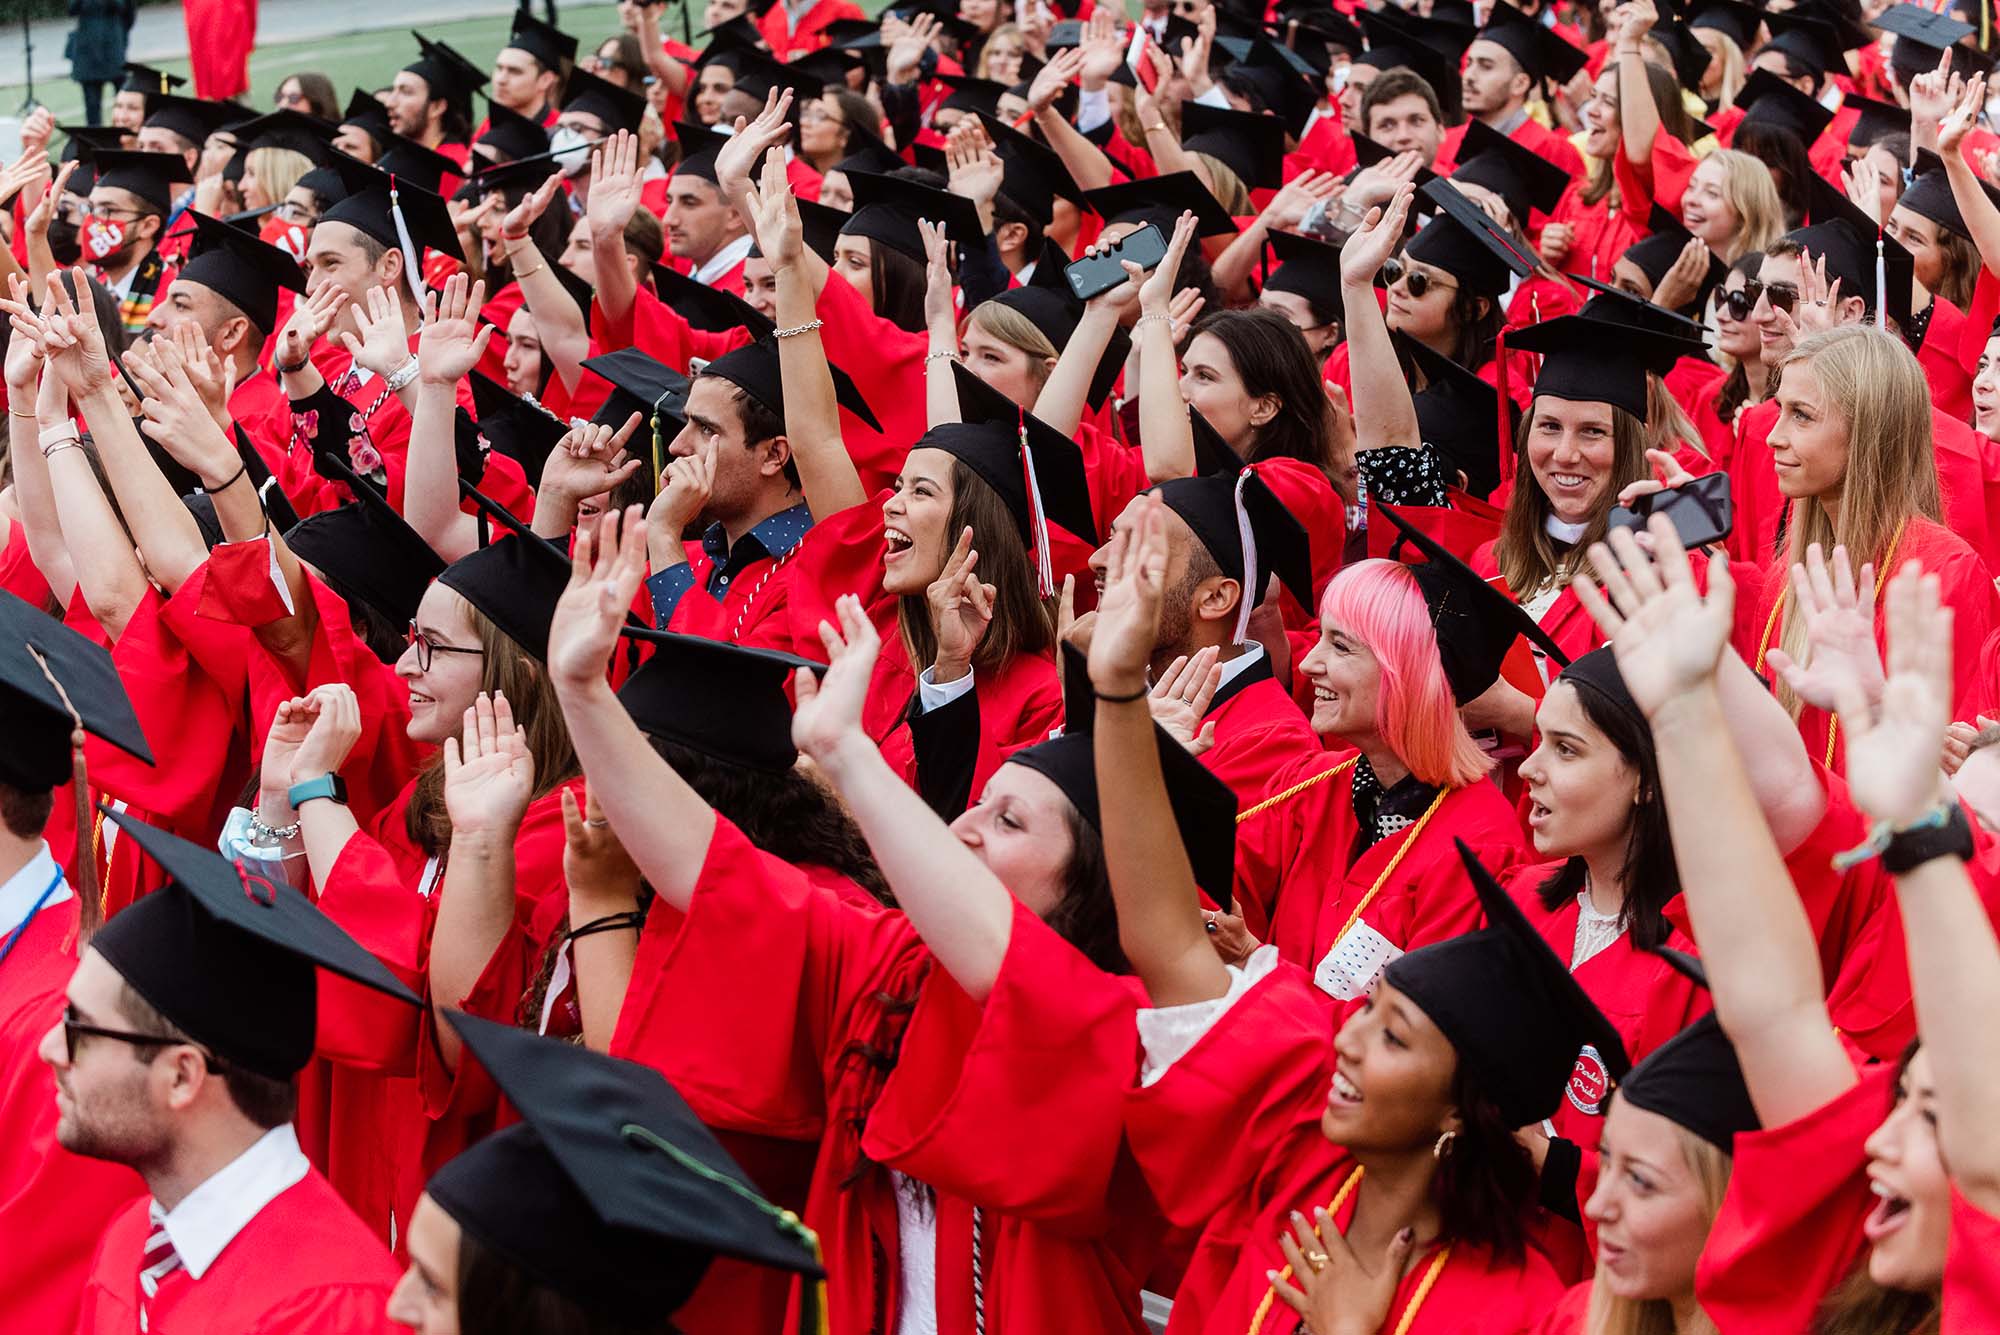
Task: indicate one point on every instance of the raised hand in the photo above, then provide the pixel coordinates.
(1633, 20)
(333, 733)
(212, 378)
(310, 320)
(1839, 618)
(589, 460)
(1103, 49)
(1332, 1289)
(1156, 289)
(614, 182)
(1195, 53)
(38, 219)
(36, 129)
(452, 339)
(178, 417)
(75, 343)
(601, 875)
(489, 778)
(1375, 241)
(1964, 115)
(24, 349)
(1683, 279)
(384, 344)
(1934, 92)
(975, 169)
(514, 227)
(906, 52)
(1128, 613)
(606, 565)
(1288, 207)
(940, 311)
(1667, 637)
(1819, 300)
(1183, 311)
(1375, 185)
(828, 712)
(1892, 750)
(1181, 697)
(961, 609)
(743, 151)
(1557, 239)
(23, 172)
(1053, 77)
(290, 726)
(774, 213)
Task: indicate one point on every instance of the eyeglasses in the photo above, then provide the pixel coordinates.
(426, 646)
(1417, 281)
(72, 1027)
(1782, 296)
(293, 212)
(115, 213)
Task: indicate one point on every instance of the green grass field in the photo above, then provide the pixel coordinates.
(356, 60)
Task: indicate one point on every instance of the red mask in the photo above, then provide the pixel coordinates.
(286, 236)
(101, 237)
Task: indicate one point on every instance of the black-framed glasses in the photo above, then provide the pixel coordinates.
(1782, 296)
(1416, 281)
(74, 1027)
(426, 646)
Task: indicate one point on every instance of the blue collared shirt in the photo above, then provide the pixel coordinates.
(773, 537)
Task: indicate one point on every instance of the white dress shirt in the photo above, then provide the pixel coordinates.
(208, 1219)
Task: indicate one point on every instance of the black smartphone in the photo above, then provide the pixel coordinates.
(1094, 275)
(1701, 510)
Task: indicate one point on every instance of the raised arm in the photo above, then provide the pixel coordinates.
(1166, 436)
(941, 323)
(1638, 118)
(588, 461)
(1954, 959)
(108, 574)
(186, 388)
(383, 345)
(449, 346)
(643, 22)
(614, 198)
(744, 153)
(1384, 413)
(812, 412)
(41, 257)
(560, 325)
(1982, 218)
(1763, 964)
(1159, 909)
(604, 889)
(31, 472)
(1066, 393)
(1287, 209)
(963, 912)
(487, 786)
(1087, 165)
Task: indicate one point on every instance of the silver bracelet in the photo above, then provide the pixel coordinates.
(264, 836)
(946, 355)
(402, 375)
(1143, 320)
(794, 332)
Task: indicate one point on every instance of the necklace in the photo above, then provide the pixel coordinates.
(1424, 1286)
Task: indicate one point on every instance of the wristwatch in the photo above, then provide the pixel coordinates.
(330, 786)
(1944, 833)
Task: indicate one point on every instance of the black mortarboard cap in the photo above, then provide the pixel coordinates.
(525, 432)
(753, 368)
(1035, 173)
(1523, 178)
(514, 136)
(452, 78)
(988, 441)
(1476, 623)
(150, 176)
(1694, 1079)
(1614, 305)
(1208, 506)
(241, 268)
(1597, 674)
(853, 34)
(1047, 302)
(369, 208)
(1306, 268)
(1807, 39)
(520, 178)
(153, 83)
(1251, 144)
(1923, 34)
(1733, 18)
(871, 155)
(1286, 83)
(1467, 244)
(366, 112)
(407, 160)
(618, 108)
(732, 37)
(705, 307)
(1160, 200)
(1393, 46)
(1212, 454)
(1689, 57)
(1847, 237)
(822, 224)
(515, 581)
(285, 128)
(971, 94)
(84, 139)
(1204, 806)
(365, 549)
(192, 118)
(1595, 361)
(1656, 253)
(553, 48)
(1516, 1017)
(724, 700)
(1929, 195)
(827, 66)
(609, 1191)
(37, 754)
(1767, 99)
(230, 958)
(699, 145)
(1458, 415)
(1876, 119)
(640, 384)
(757, 74)
(886, 210)
(1535, 48)
(1368, 152)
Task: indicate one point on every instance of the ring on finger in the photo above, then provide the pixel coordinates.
(1317, 1260)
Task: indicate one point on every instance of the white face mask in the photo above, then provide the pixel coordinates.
(571, 150)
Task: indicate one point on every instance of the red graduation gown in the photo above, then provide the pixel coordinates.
(1567, 1316)
(752, 610)
(1259, 731)
(1552, 146)
(1971, 1269)
(303, 1266)
(1602, 232)
(54, 1205)
(1789, 1230)
(886, 364)
(662, 333)
(1949, 377)
(965, 1107)
(787, 41)
(1229, 1141)
(1297, 889)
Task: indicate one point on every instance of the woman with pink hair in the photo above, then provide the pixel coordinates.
(1348, 861)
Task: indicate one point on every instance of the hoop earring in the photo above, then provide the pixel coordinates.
(1444, 1145)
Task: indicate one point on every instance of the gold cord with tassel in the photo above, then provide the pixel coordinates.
(89, 905)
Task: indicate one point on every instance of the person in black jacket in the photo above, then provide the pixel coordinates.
(96, 49)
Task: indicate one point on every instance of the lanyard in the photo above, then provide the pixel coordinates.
(14, 937)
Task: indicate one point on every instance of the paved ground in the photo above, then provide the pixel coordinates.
(352, 41)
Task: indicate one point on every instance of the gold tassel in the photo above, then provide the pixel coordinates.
(89, 905)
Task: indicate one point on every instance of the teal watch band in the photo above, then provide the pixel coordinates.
(330, 786)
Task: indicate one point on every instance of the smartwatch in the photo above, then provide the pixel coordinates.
(330, 786)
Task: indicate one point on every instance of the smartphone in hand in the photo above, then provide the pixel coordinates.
(1094, 275)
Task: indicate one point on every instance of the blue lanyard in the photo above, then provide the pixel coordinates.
(14, 937)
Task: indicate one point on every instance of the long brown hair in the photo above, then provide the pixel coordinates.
(505, 667)
(1872, 380)
(1023, 622)
(1527, 555)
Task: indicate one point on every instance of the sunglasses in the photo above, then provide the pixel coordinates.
(1416, 281)
(1782, 296)
(74, 1028)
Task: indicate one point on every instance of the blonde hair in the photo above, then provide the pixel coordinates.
(1872, 381)
(1011, 31)
(1611, 1315)
(1017, 331)
(1225, 185)
(1730, 56)
(1747, 185)
(1668, 427)
(277, 170)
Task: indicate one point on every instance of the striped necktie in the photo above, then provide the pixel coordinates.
(159, 1261)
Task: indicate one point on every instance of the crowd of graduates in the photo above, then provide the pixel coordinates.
(1232, 669)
